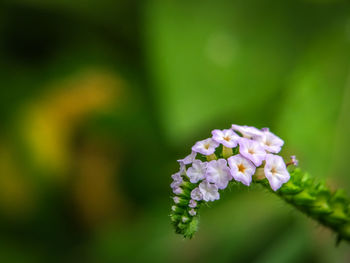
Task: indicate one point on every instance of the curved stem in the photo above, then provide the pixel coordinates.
(316, 200)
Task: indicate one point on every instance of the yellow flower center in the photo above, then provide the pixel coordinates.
(227, 138)
(273, 170)
(241, 168)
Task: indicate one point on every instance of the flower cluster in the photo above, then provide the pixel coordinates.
(231, 154)
(255, 148)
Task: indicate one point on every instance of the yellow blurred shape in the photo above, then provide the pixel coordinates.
(50, 121)
(16, 195)
(95, 191)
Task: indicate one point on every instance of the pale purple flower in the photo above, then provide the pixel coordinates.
(188, 159)
(269, 141)
(182, 169)
(177, 190)
(192, 203)
(242, 169)
(197, 171)
(206, 147)
(175, 184)
(227, 138)
(177, 180)
(209, 191)
(192, 212)
(176, 199)
(247, 131)
(252, 150)
(196, 194)
(173, 208)
(218, 173)
(294, 161)
(276, 171)
(177, 177)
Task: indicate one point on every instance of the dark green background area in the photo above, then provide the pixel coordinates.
(182, 68)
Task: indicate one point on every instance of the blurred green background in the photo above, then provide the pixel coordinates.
(98, 99)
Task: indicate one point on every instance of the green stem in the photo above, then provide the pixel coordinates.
(317, 201)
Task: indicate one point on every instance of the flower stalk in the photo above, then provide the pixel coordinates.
(317, 201)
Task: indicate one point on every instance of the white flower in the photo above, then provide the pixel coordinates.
(276, 171)
(226, 137)
(209, 191)
(206, 147)
(197, 171)
(252, 150)
(242, 169)
(269, 141)
(247, 131)
(218, 173)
